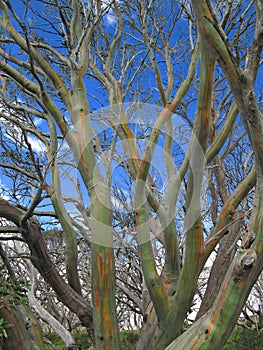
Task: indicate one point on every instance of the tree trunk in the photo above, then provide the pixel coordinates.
(212, 330)
(220, 267)
(17, 335)
(31, 232)
(103, 272)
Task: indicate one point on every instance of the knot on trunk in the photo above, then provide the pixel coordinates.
(245, 262)
(248, 261)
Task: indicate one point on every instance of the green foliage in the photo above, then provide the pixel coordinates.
(54, 339)
(128, 340)
(244, 339)
(82, 339)
(241, 339)
(12, 292)
(3, 328)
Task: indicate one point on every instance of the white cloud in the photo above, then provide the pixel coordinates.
(110, 16)
(110, 19)
(2, 194)
(14, 133)
(36, 144)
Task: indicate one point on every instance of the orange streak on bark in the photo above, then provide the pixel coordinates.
(37, 333)
(85, 164)
(200, 248)
(209, 329)
(82, 118)
(130, 138)
(103, 291)
(99, 287)
(107, 313)
(214, 316)
(196, 342)
(82, 157)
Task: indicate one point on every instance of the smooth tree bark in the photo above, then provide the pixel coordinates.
(104, 314)
(215, 326)
(97, 54)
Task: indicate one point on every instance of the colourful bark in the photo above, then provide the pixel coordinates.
(103, 272)
(181, 299)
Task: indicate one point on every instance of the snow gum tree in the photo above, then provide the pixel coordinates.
(133, 132)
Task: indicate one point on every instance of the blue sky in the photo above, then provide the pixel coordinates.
(180, 56)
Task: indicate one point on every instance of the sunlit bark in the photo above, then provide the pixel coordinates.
(112, 53)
